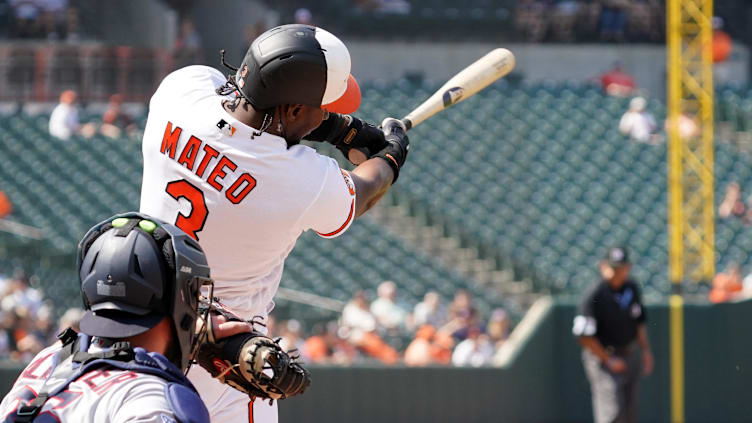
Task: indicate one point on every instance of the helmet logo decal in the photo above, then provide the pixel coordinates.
(243, 73)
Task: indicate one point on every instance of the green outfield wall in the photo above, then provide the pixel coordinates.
(543, 382)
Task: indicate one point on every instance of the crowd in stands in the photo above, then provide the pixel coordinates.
(44, 19)
(387, 331)
(27, 322)
(114, 123)
(730, 285)
(590, 20)
(733, 205)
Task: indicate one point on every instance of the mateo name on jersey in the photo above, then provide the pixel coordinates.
(188, 157)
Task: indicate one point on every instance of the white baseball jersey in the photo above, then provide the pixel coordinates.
(100, 396)
(243, 194)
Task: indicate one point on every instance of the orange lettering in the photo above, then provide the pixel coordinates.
(210, 153)
(170, 140)
(190, 152)
(220, 173)
(250, 184)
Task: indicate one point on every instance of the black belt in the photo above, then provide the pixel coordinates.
(622, 350)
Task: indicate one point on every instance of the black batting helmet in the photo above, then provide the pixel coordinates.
(134, 271)
(298, 64)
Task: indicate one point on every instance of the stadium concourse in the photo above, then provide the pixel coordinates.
(537, 178)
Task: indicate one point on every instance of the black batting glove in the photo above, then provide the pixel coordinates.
(356, 139)
(398, 145)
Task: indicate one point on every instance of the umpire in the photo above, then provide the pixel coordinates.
(610, 326)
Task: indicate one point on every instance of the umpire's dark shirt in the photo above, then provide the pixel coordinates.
(610, 315)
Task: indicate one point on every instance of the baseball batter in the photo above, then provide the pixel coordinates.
(127, 364)
(222, 160)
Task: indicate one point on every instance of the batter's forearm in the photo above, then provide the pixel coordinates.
(592, 343)
(372, 180)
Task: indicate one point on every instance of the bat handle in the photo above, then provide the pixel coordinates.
(408, 123)
(395, 125)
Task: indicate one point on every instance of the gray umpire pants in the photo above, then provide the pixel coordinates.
(614, 395)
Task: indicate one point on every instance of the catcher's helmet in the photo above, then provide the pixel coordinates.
(134, 271)
(298, 64)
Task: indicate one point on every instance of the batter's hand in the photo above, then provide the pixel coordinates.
(356, 139)
(222, 328)
(398, 145)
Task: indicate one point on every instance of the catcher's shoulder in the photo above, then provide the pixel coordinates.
(186, 404)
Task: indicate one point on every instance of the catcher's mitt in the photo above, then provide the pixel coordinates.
(250, 362)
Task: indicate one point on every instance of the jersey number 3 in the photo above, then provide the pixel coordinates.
(194, 221)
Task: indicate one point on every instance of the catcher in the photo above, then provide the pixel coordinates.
(139, 276)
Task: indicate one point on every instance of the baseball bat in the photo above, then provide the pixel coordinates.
(464, 85)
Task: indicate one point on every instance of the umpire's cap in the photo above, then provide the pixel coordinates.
(298, 64)
(134, 271)
(617, 256)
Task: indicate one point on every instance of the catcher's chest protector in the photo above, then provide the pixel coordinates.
(73, 362)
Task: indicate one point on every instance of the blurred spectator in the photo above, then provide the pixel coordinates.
(64, 121)
(638, 123)
(430, 311)
(563, 19)
(529, 20)
(188, 49)
(70, 319)
(388, 314)
(614, 19)
(325, 346)
(747, 286)
(400, 7)
(291, 336)
(727, 285)
(475, 351)
(115, 120)
(73, 30)
(644, 20)
(303, 16)
(25, 18)
(316, 348)
(18, 293)
(616, 82)
(7, 342)
(429, 348)
(6, 207)
(687, 127)
(498, 327)
(462, 316)
(588, 20)
(26, 321)
(722, 43)
(732, 204)
(359, 327)
(44, 19)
